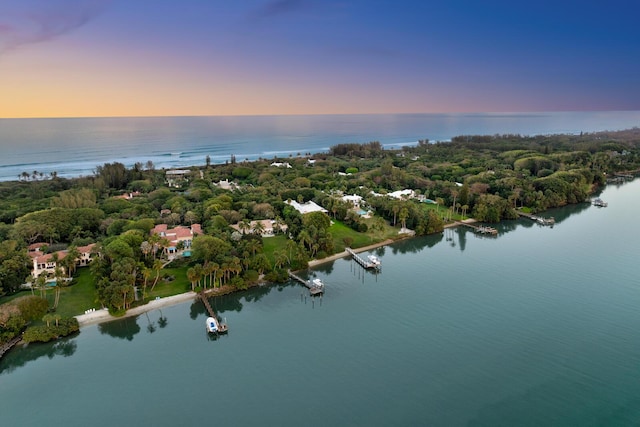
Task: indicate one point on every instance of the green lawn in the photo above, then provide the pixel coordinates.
(271, 244)
(443, 211)
(339, 231)
(77, 298)
(74, 299)
(180, 284)
(81, 296)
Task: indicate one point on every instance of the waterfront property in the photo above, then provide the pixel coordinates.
(46, 262)
(179, 238)
(468, 332)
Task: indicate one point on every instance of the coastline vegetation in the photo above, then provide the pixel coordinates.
(488, 178)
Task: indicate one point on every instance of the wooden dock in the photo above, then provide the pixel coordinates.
(221, 327)
(480, 229)
(364, 263)
(540, 220)
(315, 287)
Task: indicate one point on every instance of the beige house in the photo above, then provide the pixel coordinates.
(269, 227)
(177, 235)
(44, 263)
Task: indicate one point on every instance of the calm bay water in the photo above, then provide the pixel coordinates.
(74, 147)
(538, 326)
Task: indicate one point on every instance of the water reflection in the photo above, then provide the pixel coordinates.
(125, 328)
(20, 356)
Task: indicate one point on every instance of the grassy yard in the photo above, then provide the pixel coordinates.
(444, 212)
(180, 284)
(74, 299)
(339, 231)
(81, 296)
(78, 297)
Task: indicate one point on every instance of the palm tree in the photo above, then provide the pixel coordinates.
(291, 247)
(236, 265)
(59, 278)
(403, 215)
(146, 248)
(41, 284)
(146, 275)
(199, 271)
(253, 246)
(258, 228)
(280, 258)
(244, 226)
(305, 238)
(193, 277)
(71, 259)
(47, 318)
(395, 208)
(214, 268)
(157, 266)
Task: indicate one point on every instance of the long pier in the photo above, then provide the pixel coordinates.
(221, 327)
(540, 220)
(364, 263)
(480, 229)
(315, 287)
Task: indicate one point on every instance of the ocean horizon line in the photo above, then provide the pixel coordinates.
(442, 113)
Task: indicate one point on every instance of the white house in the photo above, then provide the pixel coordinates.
(281, 165)
(354, 199)
(402, 194)
(305, 208)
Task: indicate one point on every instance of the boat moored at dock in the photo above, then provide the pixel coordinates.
(372, 261)
(599, 202)
(211, 325)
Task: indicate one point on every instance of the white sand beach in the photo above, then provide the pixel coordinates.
(100, 316)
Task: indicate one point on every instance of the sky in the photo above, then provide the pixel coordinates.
(94, 58)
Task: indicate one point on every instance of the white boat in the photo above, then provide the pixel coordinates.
(211, 325)
(317, 283)
(599, 202)
(374, 260)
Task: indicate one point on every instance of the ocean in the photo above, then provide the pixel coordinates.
(73, 147)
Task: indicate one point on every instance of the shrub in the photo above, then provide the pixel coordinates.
(46, 333)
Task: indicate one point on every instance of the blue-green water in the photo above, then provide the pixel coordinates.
(537, 327)
(74, 147)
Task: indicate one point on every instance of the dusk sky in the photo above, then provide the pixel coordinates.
(72, 58)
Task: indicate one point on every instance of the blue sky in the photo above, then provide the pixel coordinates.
(199, 57)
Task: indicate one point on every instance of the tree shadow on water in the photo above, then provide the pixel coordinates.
(125, 328)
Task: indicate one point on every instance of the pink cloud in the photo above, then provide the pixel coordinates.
(38, 24)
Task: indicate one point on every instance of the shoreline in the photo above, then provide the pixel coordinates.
(102, 316)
